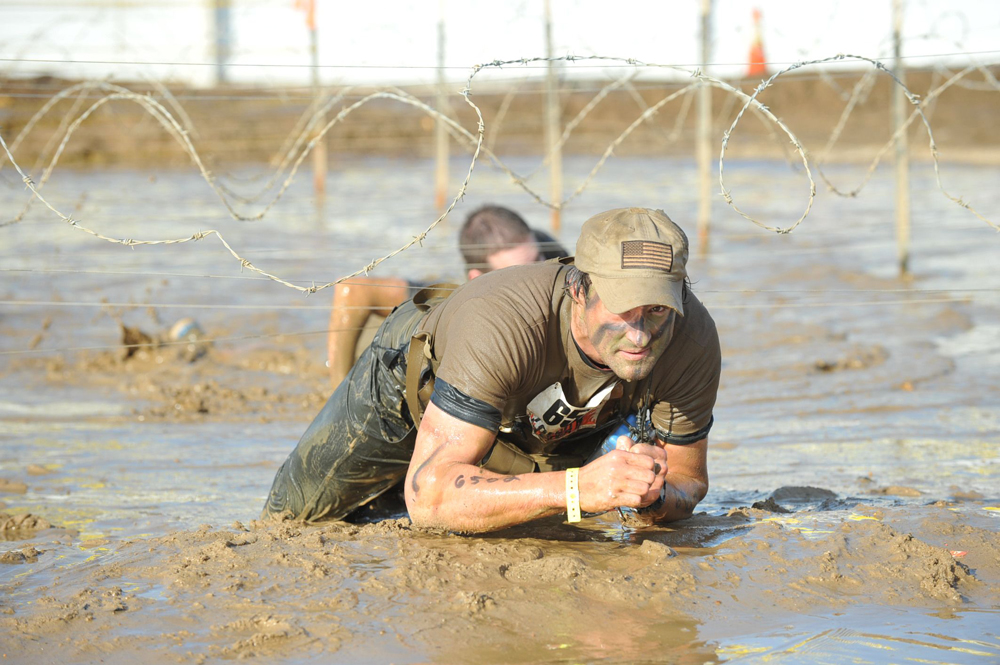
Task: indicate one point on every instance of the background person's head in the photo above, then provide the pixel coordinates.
(494, 237)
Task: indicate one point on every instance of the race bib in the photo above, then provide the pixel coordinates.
(552, 417)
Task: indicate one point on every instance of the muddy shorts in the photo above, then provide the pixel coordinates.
(360, 444)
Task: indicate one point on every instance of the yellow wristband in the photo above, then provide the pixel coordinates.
(573, 495)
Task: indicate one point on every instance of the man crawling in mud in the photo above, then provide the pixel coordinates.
(514, 380)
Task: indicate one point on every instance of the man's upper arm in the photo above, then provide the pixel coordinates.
(442, 441)
(490, 354)
(685, 392)
(689, 460)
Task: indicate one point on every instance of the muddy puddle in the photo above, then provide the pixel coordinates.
(854, 512)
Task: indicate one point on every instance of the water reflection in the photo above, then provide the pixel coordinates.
(875, 635)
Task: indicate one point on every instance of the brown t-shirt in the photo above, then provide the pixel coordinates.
(505, 358)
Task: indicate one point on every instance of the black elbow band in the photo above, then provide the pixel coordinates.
(685, 439)
(468, 409)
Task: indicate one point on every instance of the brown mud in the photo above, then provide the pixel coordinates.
(698, 591)
(260, 119)
(165, 384)
(853, 514)
(291, 592)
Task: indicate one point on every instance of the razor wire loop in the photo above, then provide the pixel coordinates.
(521, 181)
(83, 88)
(931, 96)
(155, 109)
(918, 111)
(701, 79)
(245, 263)
(181, 134)
(166, 119)
(518, 180)
(173, 128)
(305, 127)
(863, 87)
(572, 124)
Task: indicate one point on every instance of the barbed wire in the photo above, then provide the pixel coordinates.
(861, 89)
(300, 135)
(182, 135)
(702, 79)
(66, 128)
(918, 111)
(162, 115)
(300, 147)
(750, 102)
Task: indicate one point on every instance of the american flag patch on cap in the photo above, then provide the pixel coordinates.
(647, 255)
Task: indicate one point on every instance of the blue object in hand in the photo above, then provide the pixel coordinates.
(627, 428)
(611, 442)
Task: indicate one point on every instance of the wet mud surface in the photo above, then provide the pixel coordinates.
(854, 512)
(549, 592)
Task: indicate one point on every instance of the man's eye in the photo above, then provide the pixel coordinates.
(657, 309)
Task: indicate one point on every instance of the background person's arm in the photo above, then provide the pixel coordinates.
(353, 303)
(445, 487)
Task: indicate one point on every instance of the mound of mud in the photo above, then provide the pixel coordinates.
(294, 591)
(23, 521)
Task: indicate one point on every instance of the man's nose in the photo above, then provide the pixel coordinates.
(638, 333)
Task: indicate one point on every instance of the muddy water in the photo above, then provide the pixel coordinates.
(864, 406)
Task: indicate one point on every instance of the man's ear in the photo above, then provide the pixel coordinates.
(474, 273)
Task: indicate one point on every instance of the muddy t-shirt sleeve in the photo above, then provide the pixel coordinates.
(685, 387)
(489, 356)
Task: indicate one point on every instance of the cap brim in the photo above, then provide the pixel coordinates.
(622, 294)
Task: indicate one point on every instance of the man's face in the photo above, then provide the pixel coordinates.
(629, 343)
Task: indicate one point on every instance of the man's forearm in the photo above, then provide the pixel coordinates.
(680, 495)
(685, 483)
(445, 488)
(464, 497)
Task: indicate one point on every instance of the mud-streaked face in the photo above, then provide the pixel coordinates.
(629, 343)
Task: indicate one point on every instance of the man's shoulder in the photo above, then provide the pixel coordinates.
(519, 295)
(517, 282)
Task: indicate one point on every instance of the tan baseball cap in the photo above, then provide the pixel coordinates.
(635, 257)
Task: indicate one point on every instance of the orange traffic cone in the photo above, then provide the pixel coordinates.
(758, 65)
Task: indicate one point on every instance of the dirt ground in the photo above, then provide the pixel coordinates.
(122, 134)
(295, 593)
(698, 591)
(853, 514)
